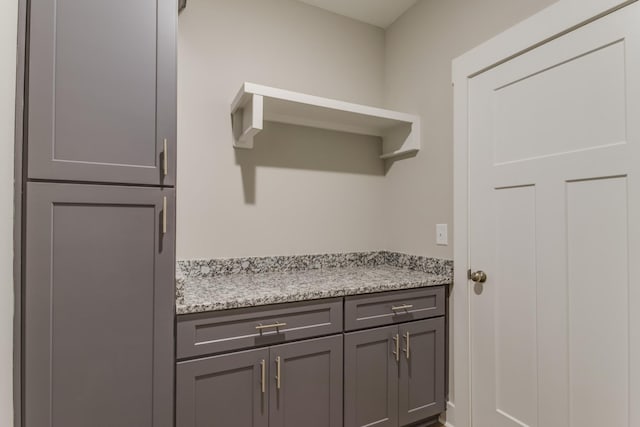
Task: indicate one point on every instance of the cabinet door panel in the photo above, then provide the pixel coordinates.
(422, 370)
(223, 391)
(102, 90)
(310, 391)
(99, 294)
(371, 378)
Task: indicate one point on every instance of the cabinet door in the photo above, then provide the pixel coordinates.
(422, 370)
(306, 383)
(99, 304)
(371, 378)
(102, 90)
(226, 391)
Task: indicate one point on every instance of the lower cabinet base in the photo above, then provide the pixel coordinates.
(387, 376)
(431, 422)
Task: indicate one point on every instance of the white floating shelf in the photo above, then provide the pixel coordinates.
(255, 104)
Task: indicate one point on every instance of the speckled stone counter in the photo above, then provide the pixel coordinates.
(209, 285)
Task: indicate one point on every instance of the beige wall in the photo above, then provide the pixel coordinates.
(420, 46)
(309, 191)
(299, 190)
(8, 31)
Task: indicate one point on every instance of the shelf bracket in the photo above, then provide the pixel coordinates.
(401, 141)
(247, 120)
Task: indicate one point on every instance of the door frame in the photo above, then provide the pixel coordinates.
(551, 23)
(18, 205)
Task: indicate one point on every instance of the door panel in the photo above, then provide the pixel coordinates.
(599, 311)
(371, 380)
(309, 390)
(102, 90)
(100, 293)
(555, 195)
(224, 391)
(515, 306)
(422, 370)
(534, 123)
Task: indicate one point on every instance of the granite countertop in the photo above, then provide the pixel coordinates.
(225, 284)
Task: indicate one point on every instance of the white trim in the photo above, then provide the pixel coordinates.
(540, 28)
(448, 418)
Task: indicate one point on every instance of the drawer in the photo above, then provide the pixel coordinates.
(366, 311)
(220, 331)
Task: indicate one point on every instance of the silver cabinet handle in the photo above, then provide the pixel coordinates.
(278, 373)
(164, 215)
(406, 350)
(165, 159)
(402, 307)
(263, 374)
(396, 343)
(276, 325)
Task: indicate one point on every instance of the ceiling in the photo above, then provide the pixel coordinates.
(380, 13)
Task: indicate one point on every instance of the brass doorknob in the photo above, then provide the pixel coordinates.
(478, 276)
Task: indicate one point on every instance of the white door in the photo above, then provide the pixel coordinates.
(555, 224)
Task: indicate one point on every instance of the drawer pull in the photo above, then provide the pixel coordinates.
(402, 307)
(278, 373)
(406, 350)
(261, 327)
(263, 376)
(396, 343)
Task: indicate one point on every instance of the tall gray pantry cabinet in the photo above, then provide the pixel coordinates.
(99, 214)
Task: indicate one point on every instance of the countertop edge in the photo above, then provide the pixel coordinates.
(186, 309)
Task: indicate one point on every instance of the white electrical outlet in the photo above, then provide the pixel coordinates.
(442, 237)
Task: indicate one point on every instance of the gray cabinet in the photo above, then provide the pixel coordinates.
(307, 386)
(99, 261)
(102, 91)
(389, 376)
(371, 378)
(203, 334)
(99, 306)
(295, 384)
(422, 370)
(228, 390)
(388, 308)
(394, 376)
